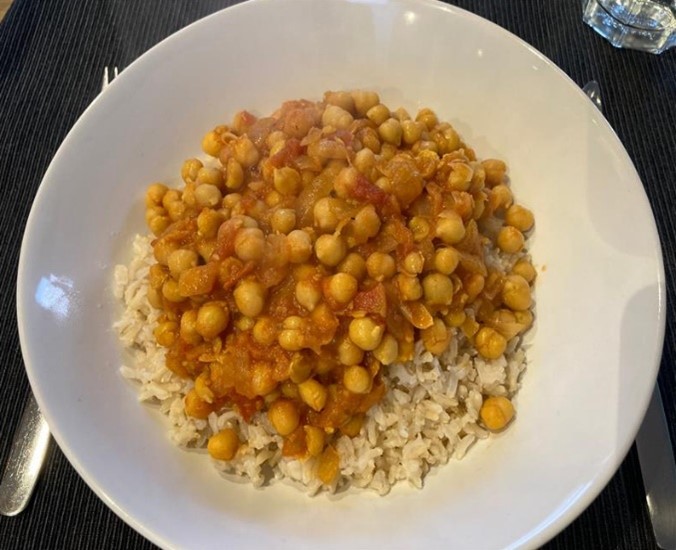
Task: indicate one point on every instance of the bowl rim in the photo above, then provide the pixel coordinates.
(544, 533)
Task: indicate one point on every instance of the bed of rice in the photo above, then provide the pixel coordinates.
(428, 416)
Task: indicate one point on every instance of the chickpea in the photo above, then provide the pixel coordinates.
(500, 197)
(300, 368)
(176, 210)
(283, 220)
(162, 249)
(414, 262)
(525, 269)
(460, 177)
(284, 416)
(208, 222)
(345, 182)
(411, 131)
(420, 228)
(307, 294)
(451, 140)
(357, 379)
(262, 380)
(314, 440)
(326, 213)
(250, 297)
(473, 285)
(180, 260)
(370, 140)
(390, 131)
(495, 171)
(157, 274)
(349, 353)
(159, 224)
(354, 265)
(388, 151)
(232, 201)
(190, 169)
(286, 180)
(378, 114)
(211, 144)
(171, 292)
(366, 224)
(427, 117)
(330, 249)
(244, 323)
(155, 193)
(291, 339)
(510, 239)
(171, 196)
(313, 394)
(245, 152)
(154, 298)
(336, 117)
(353, 426)
(380, 266)
(196, 406)
(223, 445)
(496, 413)
(427, 162)
(249, 244)
(212, 319)
(524, 318)
(210, 176)
(409, 287)
(436, 338)
(188, 329)
(264, 331)
(490, 343)
(437, 289)
(455, 319)
(446, 260)
(273, 198)
(343, 100)
(208, 196)
(519, 217)
(366, 333)
(516, 293)
(328, 465)
(364, 161)
(388, 350)
(364, 100)
(385, 184)
(299, 245)
(343, 287)
(234, 175)
(166, 333)
(450, 228)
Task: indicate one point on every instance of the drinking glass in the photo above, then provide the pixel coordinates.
(647, 25)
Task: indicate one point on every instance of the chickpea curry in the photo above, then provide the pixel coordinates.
(314, 249)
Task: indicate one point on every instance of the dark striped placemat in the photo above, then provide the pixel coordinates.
(51, 56)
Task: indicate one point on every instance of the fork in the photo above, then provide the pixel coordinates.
(31, 438)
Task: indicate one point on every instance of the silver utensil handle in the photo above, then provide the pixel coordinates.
(25, 460)
(658, 469)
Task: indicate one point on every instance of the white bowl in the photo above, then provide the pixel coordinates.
(600, 300)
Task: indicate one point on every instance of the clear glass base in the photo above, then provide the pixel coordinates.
(646, 25)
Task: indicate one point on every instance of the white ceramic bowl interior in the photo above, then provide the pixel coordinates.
(600, 293)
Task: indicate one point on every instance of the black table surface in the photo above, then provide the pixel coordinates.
(51, 58)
